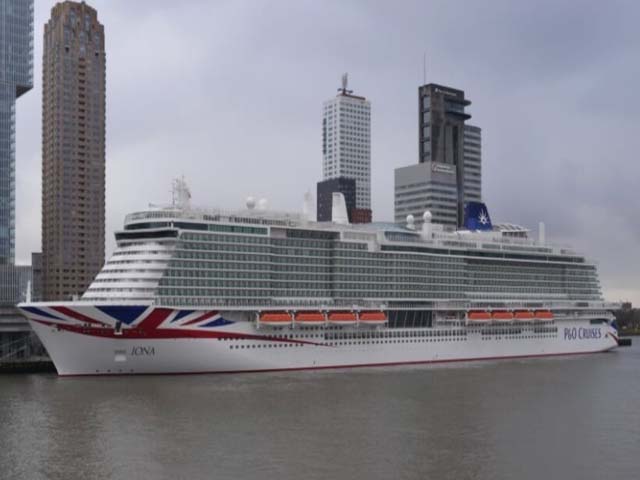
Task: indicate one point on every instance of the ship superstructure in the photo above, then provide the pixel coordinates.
(198, 290)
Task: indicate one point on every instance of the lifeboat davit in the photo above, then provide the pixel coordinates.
(524, 315)
(275, 319)
(373, 318)
(502, 316)
(342, 318)
(544, 315)
(310, 318)
(478, 316)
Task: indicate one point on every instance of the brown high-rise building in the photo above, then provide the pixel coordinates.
(73, 150)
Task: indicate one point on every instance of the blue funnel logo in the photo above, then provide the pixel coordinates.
(476, 216)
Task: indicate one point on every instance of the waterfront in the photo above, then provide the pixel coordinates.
(571, 417)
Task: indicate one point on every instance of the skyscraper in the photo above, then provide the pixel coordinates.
(448, 172)
(16, 78)
(73, 150)
(346, 145)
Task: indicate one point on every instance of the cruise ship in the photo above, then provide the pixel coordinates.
(192, 290)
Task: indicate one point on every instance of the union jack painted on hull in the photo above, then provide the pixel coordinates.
(141, 319)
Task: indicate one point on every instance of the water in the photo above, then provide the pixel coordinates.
(570, 417)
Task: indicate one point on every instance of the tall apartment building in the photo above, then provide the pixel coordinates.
(448, 171)
(346, 145)
(73, 150)
(16, 78)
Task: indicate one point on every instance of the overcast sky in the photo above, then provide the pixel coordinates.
(229, 94)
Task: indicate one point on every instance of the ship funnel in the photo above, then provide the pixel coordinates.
(339, 209)
(476, 217)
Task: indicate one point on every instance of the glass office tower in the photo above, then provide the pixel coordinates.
(16, 78)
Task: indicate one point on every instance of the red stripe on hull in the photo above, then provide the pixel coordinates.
(362, 365)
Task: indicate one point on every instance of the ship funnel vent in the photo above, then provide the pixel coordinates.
(181, 194)
(339, 209)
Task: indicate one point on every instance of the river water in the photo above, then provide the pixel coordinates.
(566, 418)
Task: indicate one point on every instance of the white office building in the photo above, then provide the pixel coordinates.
(427, 186)
(346, 141)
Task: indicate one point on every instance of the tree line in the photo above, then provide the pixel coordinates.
(628, 318)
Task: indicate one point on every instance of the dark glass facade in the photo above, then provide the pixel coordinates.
(16, 78)
(441, 120)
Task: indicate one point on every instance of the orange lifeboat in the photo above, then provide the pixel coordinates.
(524, 315)
(342, 318)
(373, 318)
(544, 315)
(478, 316)
(310, 318)
(275, 319)
(502, 316)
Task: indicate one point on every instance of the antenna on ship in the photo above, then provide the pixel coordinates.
(181, 194)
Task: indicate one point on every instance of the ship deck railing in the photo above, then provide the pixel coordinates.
(253, 216)
(292, 219)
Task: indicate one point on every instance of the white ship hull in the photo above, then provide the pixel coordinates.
(84, 340)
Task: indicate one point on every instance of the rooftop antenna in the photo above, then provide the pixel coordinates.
(424, 68)
(345, 81)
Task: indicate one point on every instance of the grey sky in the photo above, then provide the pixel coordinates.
(229, 94)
